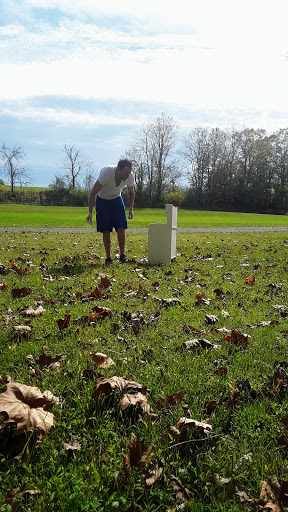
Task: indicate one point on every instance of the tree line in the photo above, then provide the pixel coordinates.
(241, 169)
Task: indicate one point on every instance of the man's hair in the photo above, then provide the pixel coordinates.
(124, 163)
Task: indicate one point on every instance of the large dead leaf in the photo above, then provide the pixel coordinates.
(13, 495)
(135, 400)
(25, 406)
(138, 453)
(271, 494)
(197, 426)
(182, 492)
(108, 385)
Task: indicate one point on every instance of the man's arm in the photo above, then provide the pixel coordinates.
(91, 199)
(131, 195)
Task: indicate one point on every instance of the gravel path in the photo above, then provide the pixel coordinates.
(134, 230)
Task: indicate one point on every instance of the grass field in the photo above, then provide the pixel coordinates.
(169, 383)
(40, 216)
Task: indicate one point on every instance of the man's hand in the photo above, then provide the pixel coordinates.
(131, 214)
(89, 218)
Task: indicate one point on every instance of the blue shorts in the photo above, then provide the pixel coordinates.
(110, 213)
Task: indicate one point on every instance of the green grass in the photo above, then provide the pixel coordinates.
(60, 216)
(144, 337)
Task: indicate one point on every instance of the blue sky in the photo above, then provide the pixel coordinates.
(90, 72)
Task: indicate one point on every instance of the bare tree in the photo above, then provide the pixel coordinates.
(74, 163)
(90, 176)
(13, 170)
(195, 151)
(151, 155)
(163, 135)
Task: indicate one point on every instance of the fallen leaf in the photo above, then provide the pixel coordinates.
(221, 371)
(101, 360)
(237, 338)
(211, 319)
(250, 279)
(33, 312)
(105, 282)
(155, 470)
(13, 495)
(64, 323)
(72, 446)
(201, 300)
(182, 492)
(195, 344)
(108, 385)
(198, 426)
(100, 312)
(49, 361)
(25, 405)
(174, 399)
(135, 400)
(20, 292)
(138, 453)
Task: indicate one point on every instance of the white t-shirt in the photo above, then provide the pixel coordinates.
(107, 179)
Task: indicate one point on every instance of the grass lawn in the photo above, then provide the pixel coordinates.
(60, 216)
(169, 383)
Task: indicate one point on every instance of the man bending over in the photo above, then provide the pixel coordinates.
(110, 209)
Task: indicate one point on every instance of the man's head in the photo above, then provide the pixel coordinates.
(125, 168)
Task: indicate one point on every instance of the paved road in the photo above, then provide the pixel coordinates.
(131, 230)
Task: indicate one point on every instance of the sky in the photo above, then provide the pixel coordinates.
(92, 72)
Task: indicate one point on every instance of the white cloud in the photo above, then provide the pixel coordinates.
(62, 116)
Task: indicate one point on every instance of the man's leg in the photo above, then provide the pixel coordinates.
(107, 243)
(121, 239)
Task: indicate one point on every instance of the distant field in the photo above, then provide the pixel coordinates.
(60, 216)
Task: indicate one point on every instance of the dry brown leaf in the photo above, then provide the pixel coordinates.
(21, 328)
(225, 484)
(135, 400)
(199, 426)
(33, 312)
(20, 292)
(196, 344)
(211, 319)
(101, 312)
(101, 360)
(64, 323)
(13, 496)
(108, 385)
(174, 399)
(105, 282)
(49, 361)
(155, 470)
(72, 446)
(25, 405)
(182, 492)
(138, 452)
